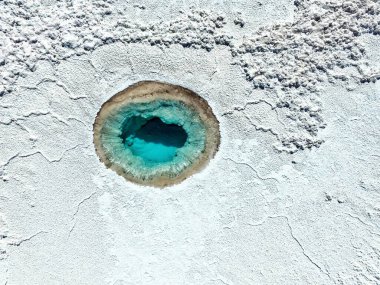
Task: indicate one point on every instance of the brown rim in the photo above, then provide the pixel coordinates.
(147, 91)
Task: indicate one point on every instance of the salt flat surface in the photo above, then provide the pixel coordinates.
(292, 196)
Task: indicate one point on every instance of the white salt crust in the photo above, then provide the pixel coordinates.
(288, 60)
(253, 216)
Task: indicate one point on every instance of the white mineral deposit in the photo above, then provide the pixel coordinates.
(200, 142)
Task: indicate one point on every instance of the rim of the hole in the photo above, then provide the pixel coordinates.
(148, 91)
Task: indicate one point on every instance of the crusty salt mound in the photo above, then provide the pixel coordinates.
(292, 60)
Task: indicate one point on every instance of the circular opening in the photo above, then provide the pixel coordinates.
(156, 134)
(153, 140)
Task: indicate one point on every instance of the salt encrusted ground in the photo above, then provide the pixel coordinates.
(292, 196)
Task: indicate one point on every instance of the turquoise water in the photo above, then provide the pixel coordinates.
(155, 141)
(162, 137)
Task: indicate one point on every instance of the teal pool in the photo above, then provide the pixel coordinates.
(156, 138)
(154, 141)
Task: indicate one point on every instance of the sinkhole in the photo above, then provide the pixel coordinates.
(156, 134)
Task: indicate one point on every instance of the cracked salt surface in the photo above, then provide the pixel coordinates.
(303, 76)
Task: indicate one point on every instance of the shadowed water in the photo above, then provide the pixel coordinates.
(154, 141)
